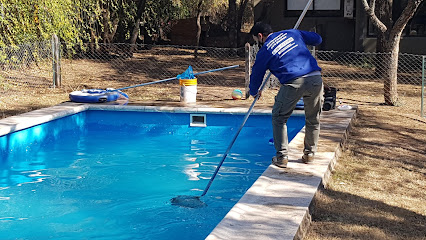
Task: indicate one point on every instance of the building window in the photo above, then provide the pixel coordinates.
(297, 5)
(371, 29)
(316, 4)
(327, 5)
(318, 8)
(416, 27)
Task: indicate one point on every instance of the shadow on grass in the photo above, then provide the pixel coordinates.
(406, 146)
(364, 218)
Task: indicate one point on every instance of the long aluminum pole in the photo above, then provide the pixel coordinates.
(235, 136)
(296, 26)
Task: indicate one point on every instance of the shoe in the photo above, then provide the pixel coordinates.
(308, 157)
(280, 162)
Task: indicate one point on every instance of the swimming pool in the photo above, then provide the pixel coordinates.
(111, 174)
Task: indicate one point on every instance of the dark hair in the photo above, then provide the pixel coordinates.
(261, 27)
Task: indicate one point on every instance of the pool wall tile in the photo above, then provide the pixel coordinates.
(29, 119)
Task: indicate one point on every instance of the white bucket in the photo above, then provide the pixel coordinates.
(188, 90)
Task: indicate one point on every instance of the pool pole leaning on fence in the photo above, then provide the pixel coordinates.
(173, 78)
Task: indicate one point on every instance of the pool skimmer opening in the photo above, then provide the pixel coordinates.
(197, 120)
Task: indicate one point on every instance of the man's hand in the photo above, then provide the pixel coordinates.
(259, 94)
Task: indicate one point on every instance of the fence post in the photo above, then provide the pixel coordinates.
(423, 85)
(248, 68)
(56, 63)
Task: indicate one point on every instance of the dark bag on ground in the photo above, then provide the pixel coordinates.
(329, 98)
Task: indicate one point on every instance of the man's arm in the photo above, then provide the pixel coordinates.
(311, 38)
(258, 72)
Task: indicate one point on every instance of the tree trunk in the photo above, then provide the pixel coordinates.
(200, 2)
(241, 9)
(135, 32)
(93, 41)
(384, 14)
(232, 28)
(105, 20)
(388, 39)
(391, 80)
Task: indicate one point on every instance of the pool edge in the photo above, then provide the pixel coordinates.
(39, 116)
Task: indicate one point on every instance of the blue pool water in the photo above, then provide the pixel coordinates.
(111, 174)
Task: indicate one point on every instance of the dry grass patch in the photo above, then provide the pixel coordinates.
(378, 187)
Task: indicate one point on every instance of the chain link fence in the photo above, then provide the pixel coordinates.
(25, 66)
(359, 77)
(126, 64)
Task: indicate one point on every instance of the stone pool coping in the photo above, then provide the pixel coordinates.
(278, 204)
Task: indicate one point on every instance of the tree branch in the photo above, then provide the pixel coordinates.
(370, 12)
(405, 16)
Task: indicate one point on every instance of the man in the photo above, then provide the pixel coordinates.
(287, 57)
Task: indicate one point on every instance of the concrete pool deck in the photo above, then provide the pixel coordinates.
(277, 206)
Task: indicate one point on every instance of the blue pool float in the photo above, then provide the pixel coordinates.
(96, 95)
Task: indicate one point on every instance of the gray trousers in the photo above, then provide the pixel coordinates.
(311, 89)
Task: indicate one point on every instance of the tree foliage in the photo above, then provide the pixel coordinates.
(22, 21)
(157, 16)
(212, 8)
(104, 21)
(229, 14)
(79, 21)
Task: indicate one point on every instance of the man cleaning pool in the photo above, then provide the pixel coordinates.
(287, 57)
